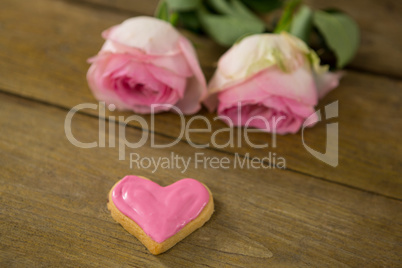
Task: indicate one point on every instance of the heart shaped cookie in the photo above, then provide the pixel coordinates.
(160, 216)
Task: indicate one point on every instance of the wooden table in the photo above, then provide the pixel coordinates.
(53, 194)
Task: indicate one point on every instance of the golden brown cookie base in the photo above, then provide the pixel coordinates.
(153, 246)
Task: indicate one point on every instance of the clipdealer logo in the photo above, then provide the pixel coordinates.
(330, 156)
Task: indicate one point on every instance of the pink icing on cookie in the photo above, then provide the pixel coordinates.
(160, 211)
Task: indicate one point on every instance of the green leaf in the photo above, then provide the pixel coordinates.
(174, 18)
(232, 8)
(263, 6)
(302, 23)
(221, 6)
(162, 11)
(189, 20)
(287, 16)
(236, 21)
(340, 32)
(226, 29)
(242, 11)
(183, 5)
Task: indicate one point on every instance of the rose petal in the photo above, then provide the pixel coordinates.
(168, 78)
(191, 57)
(176, 63)
(327, 82)
(258, 52)
(196, 88)
(261, 117)
(113, 77)
(95, 82)
(146, 33)
(298, 85)
(190, 104)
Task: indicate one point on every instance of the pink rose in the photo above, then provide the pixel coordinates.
(146, 61)
(269, 81)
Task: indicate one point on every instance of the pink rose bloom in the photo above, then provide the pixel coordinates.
(269, 81)
(146, 61)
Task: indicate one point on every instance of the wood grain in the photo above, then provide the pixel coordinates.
(379, 21)
(53, 195)
(53, 70)
(54, 213)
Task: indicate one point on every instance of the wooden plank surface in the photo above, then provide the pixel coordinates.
(53, 195)
(54, 213)
(369, 124)
(379, 22)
